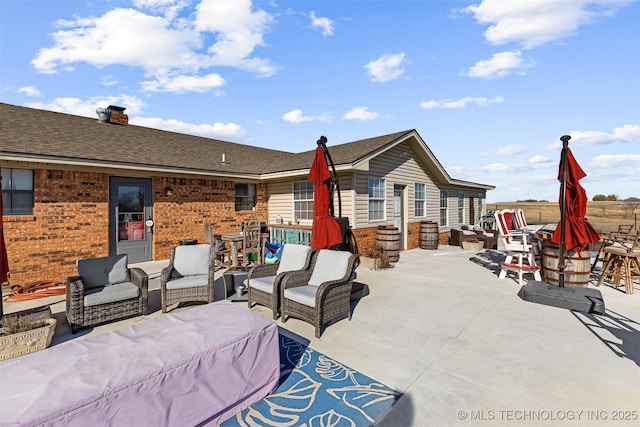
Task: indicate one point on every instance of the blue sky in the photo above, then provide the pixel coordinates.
(490, 85)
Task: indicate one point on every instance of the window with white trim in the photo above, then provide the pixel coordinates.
(303, 200)
(17, 191)
(460, 207)
(420, 200)
(444, 207)
(376, 198)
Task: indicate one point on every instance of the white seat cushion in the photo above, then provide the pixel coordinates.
(192, 260)
(293, 257)
(110, 293)
(264, 284)
(330, 265)
(303, 294)
(188, 282)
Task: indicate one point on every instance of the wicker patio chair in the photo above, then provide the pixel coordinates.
(264, 280)
(189, 277)
(322, 294)
(104, 290)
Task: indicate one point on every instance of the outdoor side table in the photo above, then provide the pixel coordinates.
(235, 289)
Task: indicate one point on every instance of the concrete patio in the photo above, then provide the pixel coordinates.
(463, 348)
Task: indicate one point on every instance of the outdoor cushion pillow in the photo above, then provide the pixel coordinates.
(109, 294)
(192, 281)
(264, 284)
(330, 265)
(303, 294)
(293, 257)
(192, 260)
(98, 272)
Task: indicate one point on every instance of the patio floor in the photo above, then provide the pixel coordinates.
(463, 348)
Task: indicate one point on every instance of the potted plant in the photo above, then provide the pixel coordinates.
(472, 244)
(26, 332)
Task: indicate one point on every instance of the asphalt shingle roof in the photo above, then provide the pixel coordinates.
(30, 132)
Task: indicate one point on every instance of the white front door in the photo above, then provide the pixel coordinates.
(398, 212)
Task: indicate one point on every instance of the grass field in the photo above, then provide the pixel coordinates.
(604, 216)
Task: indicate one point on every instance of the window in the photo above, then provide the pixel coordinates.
(420, 200)
(376, 199)
(460, 207)
(303, 200)
(245, 197)
(444, 207)
(17, 191)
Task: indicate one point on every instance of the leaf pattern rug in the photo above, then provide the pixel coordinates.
(317, 391)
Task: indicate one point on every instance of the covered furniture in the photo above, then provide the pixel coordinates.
(521, 250)
(104, 290)
(189, 276)
(322, 294)
(195, 367)
(264, 280)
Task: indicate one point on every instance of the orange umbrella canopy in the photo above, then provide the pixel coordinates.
(578, 231)
(325, 231)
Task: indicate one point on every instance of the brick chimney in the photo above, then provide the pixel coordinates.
(112, 114)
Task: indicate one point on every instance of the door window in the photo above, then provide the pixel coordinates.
(131, 212)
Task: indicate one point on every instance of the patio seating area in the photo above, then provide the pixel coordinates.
(441, 328)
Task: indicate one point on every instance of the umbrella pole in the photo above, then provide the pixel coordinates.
(563, 207)
(322, 143)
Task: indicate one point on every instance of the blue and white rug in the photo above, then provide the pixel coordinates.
(316, 390)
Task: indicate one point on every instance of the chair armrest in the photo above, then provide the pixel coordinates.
(263, 270)
(294, 279)
(139, 278)
(165, 274)
(75, 299)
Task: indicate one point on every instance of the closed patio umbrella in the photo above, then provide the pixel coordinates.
(4, 261)
(325, 231)
(574, 232)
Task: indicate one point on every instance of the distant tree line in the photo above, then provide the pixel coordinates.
(531, 201)
(603, 198)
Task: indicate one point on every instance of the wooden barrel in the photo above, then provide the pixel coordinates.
(577, 270)
(429, 235)
(388, 239)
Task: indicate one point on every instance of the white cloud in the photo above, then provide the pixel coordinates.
(296, 116)
(224, 131)
(624, 133)
(165, 45)
(539, 160)
(325, 24)
(29, 91)
(461, 103)
(361, 113)
(181, 84)
(510, 150)
(87, 107)
(532, 23)
(386, 68)
(500, 65)
(616, 160)
(109, 81)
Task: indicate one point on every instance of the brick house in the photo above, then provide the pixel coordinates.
(76, 187)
